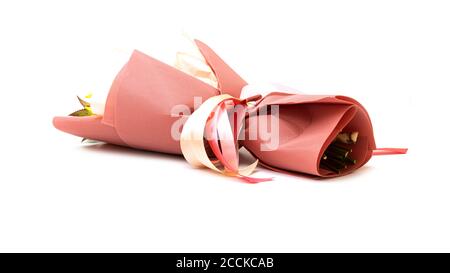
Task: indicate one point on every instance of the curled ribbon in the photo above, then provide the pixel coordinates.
(211, 122)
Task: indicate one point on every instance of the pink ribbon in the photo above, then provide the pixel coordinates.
(212, 121)
(390, 151)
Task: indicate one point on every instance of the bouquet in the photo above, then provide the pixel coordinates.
(203, 109)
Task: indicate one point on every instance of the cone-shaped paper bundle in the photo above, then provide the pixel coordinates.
(307, 125)
(139, 113)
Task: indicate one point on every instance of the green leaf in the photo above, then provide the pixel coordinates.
(81, 113)
(83, 102)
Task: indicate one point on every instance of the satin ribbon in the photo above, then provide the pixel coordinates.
(390, 151)
(211, 122)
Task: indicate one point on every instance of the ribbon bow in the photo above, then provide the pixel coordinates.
(211, 123)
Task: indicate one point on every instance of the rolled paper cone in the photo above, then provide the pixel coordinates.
(138, 114)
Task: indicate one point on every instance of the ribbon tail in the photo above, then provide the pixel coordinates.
(390, 151)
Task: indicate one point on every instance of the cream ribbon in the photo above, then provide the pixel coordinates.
(192, 140)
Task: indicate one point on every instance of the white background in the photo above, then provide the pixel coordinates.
(59, 195)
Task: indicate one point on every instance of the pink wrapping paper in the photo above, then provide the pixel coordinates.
(138, 115)
(138, 108)
(307, 125)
